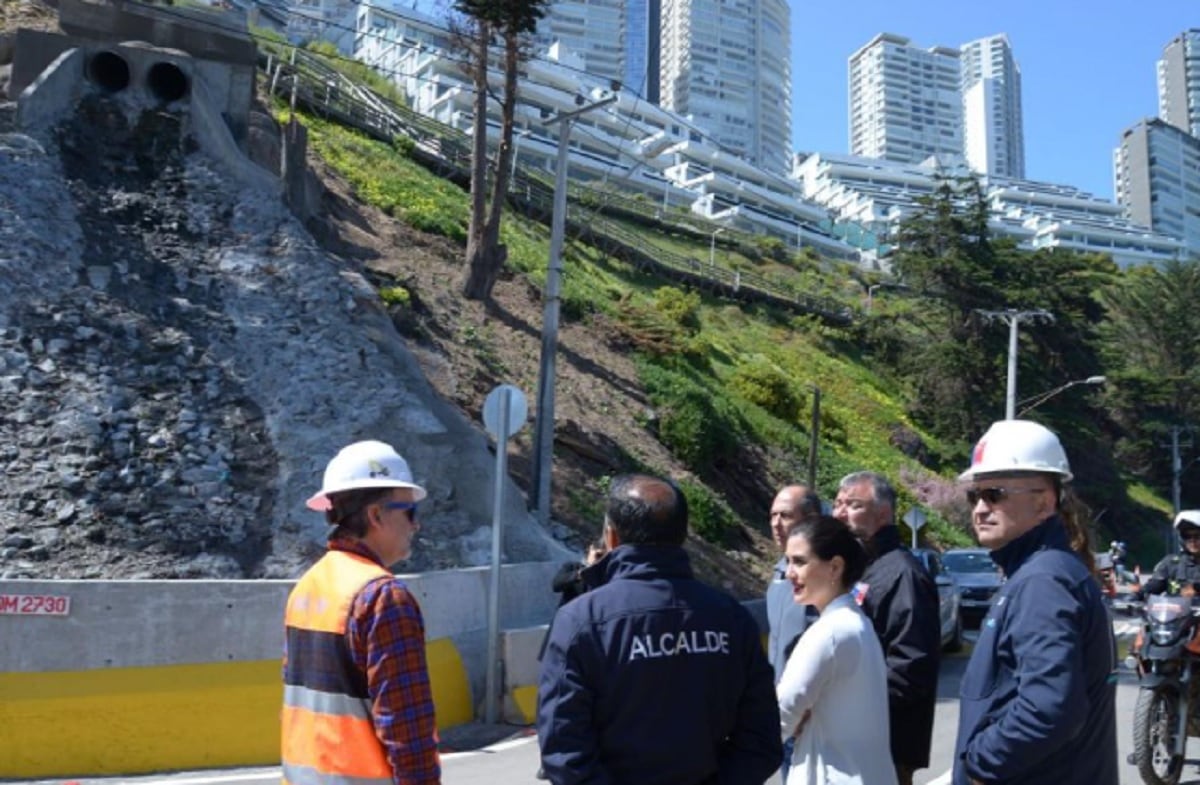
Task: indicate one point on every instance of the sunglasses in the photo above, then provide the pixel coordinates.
(994, 496)
(1192, 535)
(402, 506)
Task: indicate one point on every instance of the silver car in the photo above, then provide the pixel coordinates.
(948, 599)
(978, 580)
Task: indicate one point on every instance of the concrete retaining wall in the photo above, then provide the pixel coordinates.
(146, 676)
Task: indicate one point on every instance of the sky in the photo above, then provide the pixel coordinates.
(1087, 69)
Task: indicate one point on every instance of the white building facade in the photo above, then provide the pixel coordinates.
(617, 40)
(725, 65)
(664, 159)
(908, 103)
(905, 103)
(878, 195)
(993, 131)
(1157, 179)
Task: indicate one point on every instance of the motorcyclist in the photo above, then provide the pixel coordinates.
(1179, 573)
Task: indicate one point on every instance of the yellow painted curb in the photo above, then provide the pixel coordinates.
(525, 699)
(138, 720)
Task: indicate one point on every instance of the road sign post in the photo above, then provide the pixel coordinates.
(504, 413)
(915, 518)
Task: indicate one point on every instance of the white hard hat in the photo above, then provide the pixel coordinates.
(1191, 517)
(368, 464)
(1018, 446)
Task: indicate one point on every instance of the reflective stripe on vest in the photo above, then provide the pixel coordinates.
(327, 734)
(304, 775)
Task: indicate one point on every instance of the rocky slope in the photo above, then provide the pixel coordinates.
(179, 358)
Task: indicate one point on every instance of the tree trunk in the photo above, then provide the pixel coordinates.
(479, 280)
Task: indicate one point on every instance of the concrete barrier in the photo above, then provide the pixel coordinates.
(129, 677)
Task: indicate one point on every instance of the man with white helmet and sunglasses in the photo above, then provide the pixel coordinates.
(1179, 573)
(1038, 698)
(357, 700)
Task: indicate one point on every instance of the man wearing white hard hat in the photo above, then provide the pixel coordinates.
(357, 702)
(1179, 573)
(1038, 698)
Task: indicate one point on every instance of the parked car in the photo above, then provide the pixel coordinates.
(978, 579)
(948, 599)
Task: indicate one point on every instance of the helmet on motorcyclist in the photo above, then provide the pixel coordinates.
(1187, 518)
(1018, 446)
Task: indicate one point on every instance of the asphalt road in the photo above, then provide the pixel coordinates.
(514, 759)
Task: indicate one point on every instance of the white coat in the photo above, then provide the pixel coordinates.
(837, 672)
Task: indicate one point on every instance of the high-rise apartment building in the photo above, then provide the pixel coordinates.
(1179, 82)
(993, 135)
(726, 64)
(616, 39)
(1157, 179)
(909, 103)
(905, 102)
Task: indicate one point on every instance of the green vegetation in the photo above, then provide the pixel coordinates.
(905, 390)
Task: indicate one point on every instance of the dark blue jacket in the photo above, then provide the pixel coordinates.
(1039, 694)
(655, 678)
(901, 601)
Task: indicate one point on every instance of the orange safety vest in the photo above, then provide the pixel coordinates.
(327, 733)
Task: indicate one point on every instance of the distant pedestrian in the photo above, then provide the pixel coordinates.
(357, 704)
(651, 676)
(901, 601)
(1038, 698)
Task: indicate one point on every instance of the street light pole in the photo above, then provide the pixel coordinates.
(1035, 401)
(712, 247)
(544, 436)
(871, 295)
(1013, 319)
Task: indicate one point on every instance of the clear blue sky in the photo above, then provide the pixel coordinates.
(1087, 68)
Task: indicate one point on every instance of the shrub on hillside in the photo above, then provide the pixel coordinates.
(764, 384)
(708, 516)
(678, 307)
(695, 425)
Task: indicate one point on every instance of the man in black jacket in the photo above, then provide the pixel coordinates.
(900, 598)
(651, 676)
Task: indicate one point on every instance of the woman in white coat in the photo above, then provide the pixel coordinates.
(833, 692)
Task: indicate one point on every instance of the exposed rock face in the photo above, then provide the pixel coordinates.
(178, 360)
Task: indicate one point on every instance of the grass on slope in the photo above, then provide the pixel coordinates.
(725, 379)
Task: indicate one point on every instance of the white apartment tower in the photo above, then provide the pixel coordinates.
(993, 137)
(1179, 82)
(905, 102)
(726, 65)
(616, 39)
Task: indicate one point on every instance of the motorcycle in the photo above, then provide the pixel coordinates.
(1166, 655)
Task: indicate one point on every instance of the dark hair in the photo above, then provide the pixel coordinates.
(348, 511)
(1075, 516)
(881, 490)
(645, 510)
(828, 537)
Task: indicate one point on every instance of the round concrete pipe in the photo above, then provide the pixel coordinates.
(167, 82)
(108, 70)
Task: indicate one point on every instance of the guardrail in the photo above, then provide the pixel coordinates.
(445, 150)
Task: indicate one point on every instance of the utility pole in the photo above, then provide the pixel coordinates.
(1013, 319)
(1177, 467)
(544, 435)
(814, 437)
